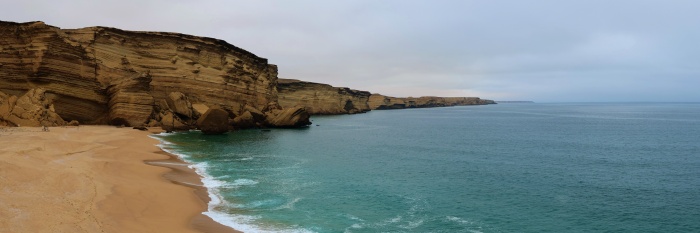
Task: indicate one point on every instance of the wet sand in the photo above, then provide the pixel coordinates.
(96, 179)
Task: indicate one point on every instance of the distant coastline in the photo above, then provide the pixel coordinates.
(515, 102)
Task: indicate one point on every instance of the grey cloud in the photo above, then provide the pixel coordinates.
(545, 50)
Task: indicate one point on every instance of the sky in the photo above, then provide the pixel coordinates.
(538, 50)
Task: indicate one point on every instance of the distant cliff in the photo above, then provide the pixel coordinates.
(101, 75)
(321, 99)
(380, 102)
(324, 99)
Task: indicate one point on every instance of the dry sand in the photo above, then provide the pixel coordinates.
(94, 179)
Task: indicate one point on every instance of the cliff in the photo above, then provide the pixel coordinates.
(380, 102)
(321, 99)
(101, 75)
(324, 99)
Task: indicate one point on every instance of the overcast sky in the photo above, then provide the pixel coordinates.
(541, 50)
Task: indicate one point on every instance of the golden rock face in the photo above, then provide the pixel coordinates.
(324, 99)
(99, 75)
(321, 99)
(377, 101)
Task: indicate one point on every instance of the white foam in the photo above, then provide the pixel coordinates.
(353, 226)
(243, 182)
(458, 220)
(412, 224)
(389, 221)
(395, 220)
(239, 222)
(465, 222)
(165, 146)
(245, 223)
(290, 204)
(353, 217)
(167, 163)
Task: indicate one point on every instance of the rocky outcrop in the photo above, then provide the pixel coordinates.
(31, 109)
(288, 118)
(214, 121)
(170, 122)
(179, 104)
(321, 99)
(251, 118)
(381, 102)
(101, 75)
(7, 103)
(244, 121)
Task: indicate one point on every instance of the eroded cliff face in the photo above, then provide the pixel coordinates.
(101, 75)
(380, 102)
(321, 99)
(324, 99)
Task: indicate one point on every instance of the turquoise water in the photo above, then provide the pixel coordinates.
(494, 168)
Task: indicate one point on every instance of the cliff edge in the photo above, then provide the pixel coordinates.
(102, 75)
(321, 99)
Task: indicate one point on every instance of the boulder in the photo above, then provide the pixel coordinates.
(258, 116)
(7, 102)
(153, 123)
(32, 109)
(244, 121)
(214, 121)
(179, 104)
(170, 122)
(199, 109)
(288, 118)
(142, 128)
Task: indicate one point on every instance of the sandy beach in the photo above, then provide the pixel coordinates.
(96, 179)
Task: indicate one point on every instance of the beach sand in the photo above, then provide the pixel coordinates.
(96, 179)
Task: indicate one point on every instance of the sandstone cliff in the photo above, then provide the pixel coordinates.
(321, 99)
(324, 99)
(380, 102)
(101, 75)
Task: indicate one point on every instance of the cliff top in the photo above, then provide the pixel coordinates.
(208, 40)
(285, 81)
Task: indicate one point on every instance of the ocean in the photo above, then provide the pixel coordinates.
(564, 167)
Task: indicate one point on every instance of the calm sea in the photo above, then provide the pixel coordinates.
(632, 167)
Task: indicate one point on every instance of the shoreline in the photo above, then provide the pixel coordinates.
(182, 174)
(97, 179)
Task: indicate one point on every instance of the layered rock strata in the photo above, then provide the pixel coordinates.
(324, 99)
(381, 102)
(321, 99)
(101, 75)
